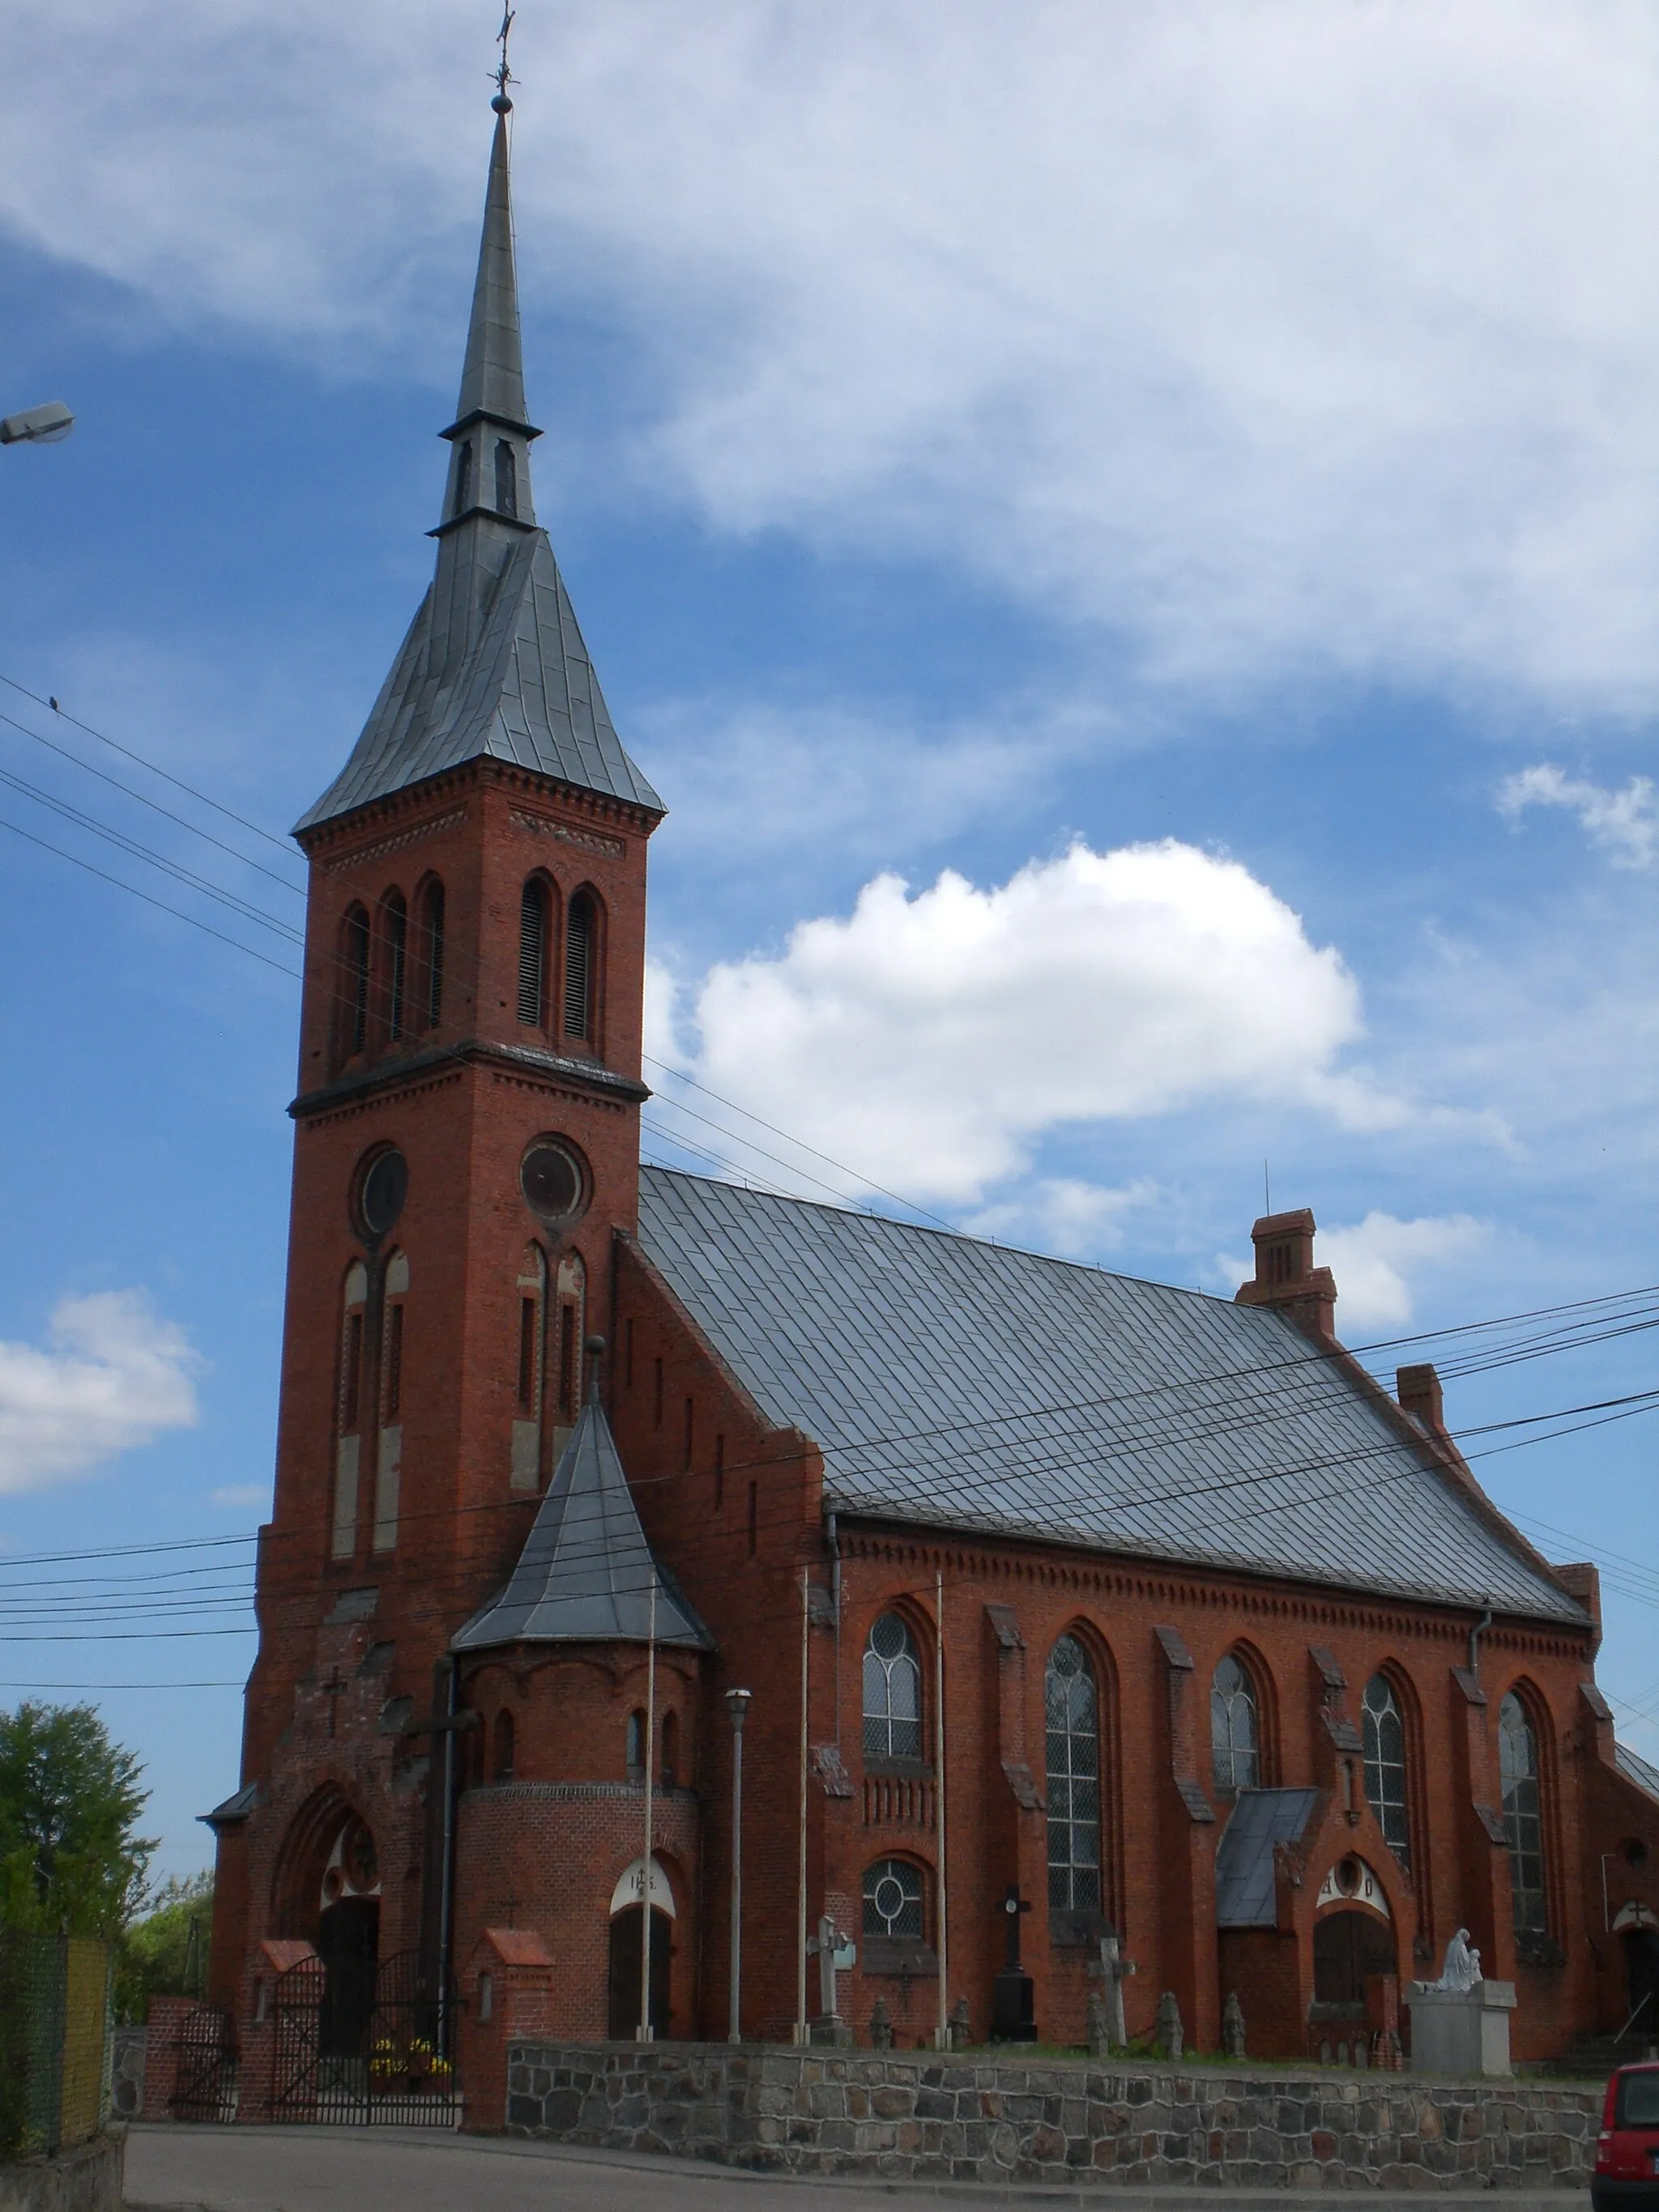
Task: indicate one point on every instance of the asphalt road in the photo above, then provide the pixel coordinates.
(316, 2169)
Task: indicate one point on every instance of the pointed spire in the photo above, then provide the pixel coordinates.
(585, 1574)
(492, 378)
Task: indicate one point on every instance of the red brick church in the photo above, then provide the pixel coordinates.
(1071, 1606)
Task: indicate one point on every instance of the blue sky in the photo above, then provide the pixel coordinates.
(1130, 553)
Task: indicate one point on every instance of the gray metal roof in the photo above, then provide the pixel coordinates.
(585, 1573)
(959, 1382)
(494, 665)
(1244, 1857)
(492, 376)
(1636, 1769)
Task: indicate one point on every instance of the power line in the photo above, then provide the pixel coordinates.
(177, 783)
(285, 883)
(178, 913)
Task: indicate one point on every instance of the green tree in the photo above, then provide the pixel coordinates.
(70, 1856)
(159, 1955)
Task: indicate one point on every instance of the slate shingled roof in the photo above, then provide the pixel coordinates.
(586, 1571)
(1635, 1768)
(524, 692)
(954, 1381)
(1260, 1819)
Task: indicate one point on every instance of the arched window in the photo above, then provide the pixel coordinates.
(636, 1745)
(532, 1349)
(671, 1750)
(573, 1292)
(580, 934)
(1524, 1814)
(1234, 1737)
(349, 1411)
(351, 1008)
(388, 1464)
(892, 1691)
(503, 1767)
(464, 477)
(1072, 1716)
(893, 1900)
(507, 479)
(432, 954)
(395, 922)
(1385, 1765)
(532, 953)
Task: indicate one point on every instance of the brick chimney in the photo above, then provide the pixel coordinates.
(1287, 1278)
(1417, 1389)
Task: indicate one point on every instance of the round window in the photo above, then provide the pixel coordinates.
(552, 1181)
(384, 1188)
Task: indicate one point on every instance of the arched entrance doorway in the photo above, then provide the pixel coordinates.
(627, 1936)
(1642, 1981)
(1349, 1947)
(348, 1941)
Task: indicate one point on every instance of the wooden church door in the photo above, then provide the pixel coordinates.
(625, 1973)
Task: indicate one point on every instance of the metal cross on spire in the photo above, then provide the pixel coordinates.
(502, 75)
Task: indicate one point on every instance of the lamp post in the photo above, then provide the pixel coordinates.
(37, 426)
(736, 1703)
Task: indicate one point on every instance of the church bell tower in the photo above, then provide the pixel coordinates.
(466, 1145)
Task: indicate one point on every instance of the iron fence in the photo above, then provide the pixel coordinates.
(54, 2040)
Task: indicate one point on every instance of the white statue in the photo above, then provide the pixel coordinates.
(1462, 1968)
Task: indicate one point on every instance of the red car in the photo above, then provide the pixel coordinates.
(1627, 2149)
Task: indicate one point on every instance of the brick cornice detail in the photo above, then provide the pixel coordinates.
(545, 1070)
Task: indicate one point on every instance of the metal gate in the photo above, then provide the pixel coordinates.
(361, 2065)
(205, 2081)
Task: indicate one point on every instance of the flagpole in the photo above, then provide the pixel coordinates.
(800, 1900)
(642, 2034)
(942, 2033)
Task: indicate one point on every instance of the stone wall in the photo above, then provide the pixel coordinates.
(85, 2179)
(927, 2115)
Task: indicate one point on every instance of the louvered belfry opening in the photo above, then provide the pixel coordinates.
(397, 962)
(464, 478)
(532, 954)
(354, 960)
(507, 479)
(579, 968)
(432, 930)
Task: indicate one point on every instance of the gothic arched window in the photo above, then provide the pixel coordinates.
(394, 916)
(532, 953)
(1385, 1765)
(464, 477)
(1524, 1814)
(532, 1354)
(892, 1691)
(388, 1463)
(1072, 1716)
(1235, 1733)
(503, 1768)
(636, 1745)
(432, 953)
(893, 1900)
(507, 479)
(348, 1416)
(351, 1007)
(580, 935)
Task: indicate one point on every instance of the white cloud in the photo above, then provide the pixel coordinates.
(113, 1374)
(241, 1494)
(1624, 823)
(1267, 335)
(1063, 1213)
(1376, 1264)
(928, 1040)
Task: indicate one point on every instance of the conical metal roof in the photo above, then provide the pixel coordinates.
(494, 665)
(585, 1573)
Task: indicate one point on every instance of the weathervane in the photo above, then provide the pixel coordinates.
(502, 75)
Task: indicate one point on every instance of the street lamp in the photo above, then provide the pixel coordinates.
(37, 426)
(736, 1703)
